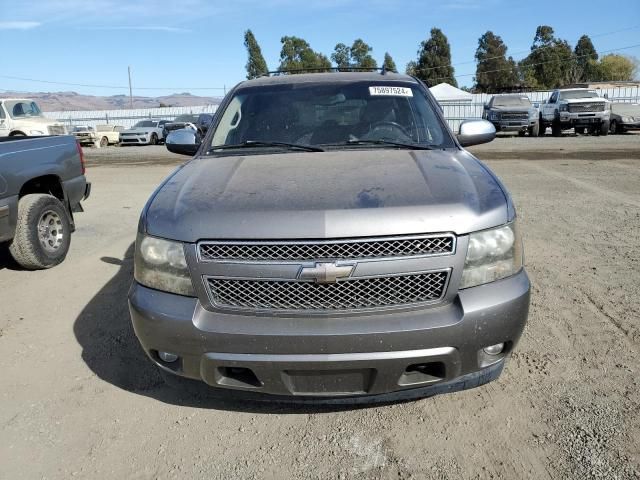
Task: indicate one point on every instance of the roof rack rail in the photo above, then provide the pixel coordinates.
(382, 70)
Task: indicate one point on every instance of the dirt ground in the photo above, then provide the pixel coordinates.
(79, 399)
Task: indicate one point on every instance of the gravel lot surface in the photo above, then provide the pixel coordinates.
(79, 399)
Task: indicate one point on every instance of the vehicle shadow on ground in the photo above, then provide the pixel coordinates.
(6, 260)
(111, 350)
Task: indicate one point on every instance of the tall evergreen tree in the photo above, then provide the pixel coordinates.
(549, 65)
(297, 54)
(494, 71)
(434, 60)
(585, 60)
(389, 65)
(256, 65)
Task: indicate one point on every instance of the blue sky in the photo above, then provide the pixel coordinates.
(197, 45)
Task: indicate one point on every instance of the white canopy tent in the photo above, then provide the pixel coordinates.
(448, 93)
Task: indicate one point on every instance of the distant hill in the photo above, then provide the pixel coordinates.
(62, 101)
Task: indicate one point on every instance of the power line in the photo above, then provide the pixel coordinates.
(115, 87)
(540, 63)
(538, 48)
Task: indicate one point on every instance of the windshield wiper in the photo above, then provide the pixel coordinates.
(411, 146)
(257, 143)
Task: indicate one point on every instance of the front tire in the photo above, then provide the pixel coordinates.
(556, 129)
(604, 128)
(43, 232)
(613, 127)
(154, 139)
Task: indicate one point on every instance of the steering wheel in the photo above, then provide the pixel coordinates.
(395, 125)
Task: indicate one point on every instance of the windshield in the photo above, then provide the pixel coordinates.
(335, 114)
(145, 123)
(578, 94)
(511, 101)
(21, 109)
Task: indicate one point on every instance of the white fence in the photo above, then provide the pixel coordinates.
(125, 117)
(454, 112)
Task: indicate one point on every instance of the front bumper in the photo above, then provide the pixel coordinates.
(138, 140)
(333, 356)
(512, 126)
(583, 119)
(630, 126)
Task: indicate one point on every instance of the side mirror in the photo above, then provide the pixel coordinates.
(475, 132)
(183, 142)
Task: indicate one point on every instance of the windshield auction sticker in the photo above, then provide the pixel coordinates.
(390, 91)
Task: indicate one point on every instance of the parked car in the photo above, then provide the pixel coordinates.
(145, 132)
(512, 113)
(22, 116)
(624, 117)
(42, 182)
(199, 122)
(330, 238)
(84, 134)
(108, 134)
(577, 108)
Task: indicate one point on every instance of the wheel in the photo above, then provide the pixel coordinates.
(556, 129)
(521, 133)
(104, 142)
(43, 232)
(613, 127)
(154, 139)
(604, 128)
(535, 130)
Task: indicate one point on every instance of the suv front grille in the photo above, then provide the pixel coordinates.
(352, 294)
(331, 249)
(586, 107)
(515, 116)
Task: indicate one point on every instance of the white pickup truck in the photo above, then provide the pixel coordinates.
(577, 108)
(22, 117)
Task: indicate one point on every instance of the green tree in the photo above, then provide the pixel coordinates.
(341, 56)
(549, 65)
(361, 55)
(297, 54)
(494, 71)
(585, 60)
(356, 56)
(411, 68)
(434, 60)
(389, 65)
(615, 67)
(256, 65)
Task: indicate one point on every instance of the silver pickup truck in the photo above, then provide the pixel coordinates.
(331, 238)
(42, 182)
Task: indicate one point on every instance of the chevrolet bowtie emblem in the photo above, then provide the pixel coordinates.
(325, 272)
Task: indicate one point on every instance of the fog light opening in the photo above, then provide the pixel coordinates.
(168, 357)
(496, 349)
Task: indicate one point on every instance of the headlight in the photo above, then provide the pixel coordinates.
(627, 119)
(161, 264)
(36, 132)
(563, 108)
(492, 255)
(494, 116)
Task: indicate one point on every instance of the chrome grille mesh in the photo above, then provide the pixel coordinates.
(588, 107)
(310, 250)
(515, 116)
(357, 293)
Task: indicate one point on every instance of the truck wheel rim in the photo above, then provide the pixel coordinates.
(50, 231)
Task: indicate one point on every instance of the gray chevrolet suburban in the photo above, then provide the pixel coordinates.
(330, 238)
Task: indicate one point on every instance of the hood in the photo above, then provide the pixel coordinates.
(585, 100)
(506, 108)
(44, 121)
(626, 109)
(320, 195)
(143, 130)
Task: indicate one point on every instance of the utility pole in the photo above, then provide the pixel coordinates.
(130, 91)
